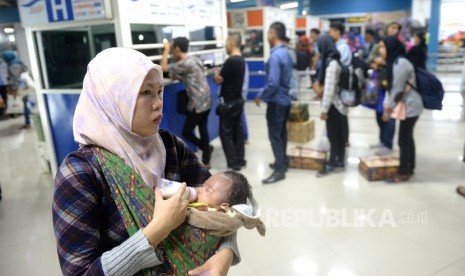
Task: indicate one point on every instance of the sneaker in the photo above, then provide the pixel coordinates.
(377, 146)
(340, 165)
(323, 172)
(383, 151)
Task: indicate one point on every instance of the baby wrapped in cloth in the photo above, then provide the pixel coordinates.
(198, 238)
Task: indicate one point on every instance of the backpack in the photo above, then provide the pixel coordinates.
(430, 89)
(352, 83)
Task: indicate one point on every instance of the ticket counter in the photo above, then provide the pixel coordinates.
(63, 38)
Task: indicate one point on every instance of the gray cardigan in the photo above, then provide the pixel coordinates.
(403, 71)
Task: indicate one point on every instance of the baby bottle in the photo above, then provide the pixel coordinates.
(169, 187)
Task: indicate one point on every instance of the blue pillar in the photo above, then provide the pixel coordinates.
(300, 8)
(433, 46)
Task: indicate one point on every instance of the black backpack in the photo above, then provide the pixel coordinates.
(352, 82)
(430, 89)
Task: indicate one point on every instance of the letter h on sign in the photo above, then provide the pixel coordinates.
(59, 10)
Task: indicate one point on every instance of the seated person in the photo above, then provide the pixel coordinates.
(218, 209)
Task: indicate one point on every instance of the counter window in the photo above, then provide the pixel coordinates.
(153, 34)
(253, 43)
(66, 53)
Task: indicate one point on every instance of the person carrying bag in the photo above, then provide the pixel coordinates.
(405, 103)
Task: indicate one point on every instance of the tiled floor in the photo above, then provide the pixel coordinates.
(339, 225)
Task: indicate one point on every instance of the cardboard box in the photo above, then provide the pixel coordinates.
(375, 168)
(305, 158)
(300, 132)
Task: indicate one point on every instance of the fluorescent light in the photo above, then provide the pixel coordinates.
(290, 5)
(234, 1)
(9, 30)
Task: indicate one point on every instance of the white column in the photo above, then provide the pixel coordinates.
(421, 11)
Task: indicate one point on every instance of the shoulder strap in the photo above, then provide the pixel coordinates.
(133, 198)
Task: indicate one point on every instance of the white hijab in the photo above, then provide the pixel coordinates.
(105, 109)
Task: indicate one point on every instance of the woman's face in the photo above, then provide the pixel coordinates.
(393, 29)
(382, 50)
(149, 105)
(416, 40)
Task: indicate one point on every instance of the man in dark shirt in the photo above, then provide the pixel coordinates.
(276, 95)
(231, 78)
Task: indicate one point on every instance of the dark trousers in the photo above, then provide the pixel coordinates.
(276, 118)
(4, 95)
(336, 127)
(27, 111)
(201, 120)
(386, 130)
(232, 140)
(407, 146)
(245, 130)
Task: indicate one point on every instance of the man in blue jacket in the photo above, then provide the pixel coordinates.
(276, 95)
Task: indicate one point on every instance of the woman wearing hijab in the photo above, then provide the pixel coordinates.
(400, 71)
(333, 111)
(105, 219)
(417, 54)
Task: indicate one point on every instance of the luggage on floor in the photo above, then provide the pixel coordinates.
(375, 168)
(306, 158)
(300, 132)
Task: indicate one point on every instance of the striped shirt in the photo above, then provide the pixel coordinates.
(190, 72)
(91, 236)
(331, 89)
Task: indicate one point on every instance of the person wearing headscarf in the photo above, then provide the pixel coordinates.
(417, 54)
(400, 73)
(104, 215)
(333, 111)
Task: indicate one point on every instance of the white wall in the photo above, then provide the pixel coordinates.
(421, 10)
(21, 44)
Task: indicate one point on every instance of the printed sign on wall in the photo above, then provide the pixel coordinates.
(153, 11)
(35, 12)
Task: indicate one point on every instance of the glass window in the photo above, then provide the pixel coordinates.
(207, 33)
(67, 52)
(253, 44)
(193, 48)
(152, 34)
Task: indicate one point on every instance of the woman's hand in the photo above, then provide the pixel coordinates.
(387, 114)
(257, 101)
(324, 116)
(317, 88)
(217, 265)
(167, 215)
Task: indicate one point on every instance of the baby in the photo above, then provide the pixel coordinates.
(223, 204)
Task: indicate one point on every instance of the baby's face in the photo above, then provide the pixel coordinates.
(214, 192)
